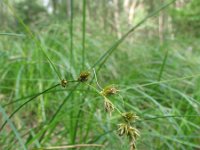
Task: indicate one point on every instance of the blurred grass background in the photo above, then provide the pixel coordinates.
(156, 69)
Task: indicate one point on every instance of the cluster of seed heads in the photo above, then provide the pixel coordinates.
(125, 128)
(128, 130)
(83, 77)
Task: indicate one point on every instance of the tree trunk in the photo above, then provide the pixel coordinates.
(54, 4)
(116, 18)
(161, 27)
(132, 11)
(68, 10)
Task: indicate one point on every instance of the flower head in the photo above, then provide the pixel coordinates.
(131, 132)
(109, 107)
(109, 90)
(129, 116)
(63, 83)
(83, 76)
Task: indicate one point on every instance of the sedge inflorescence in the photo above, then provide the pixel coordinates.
(63, 83)
(83, 77)
(125, 128)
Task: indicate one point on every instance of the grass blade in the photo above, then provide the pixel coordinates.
(31, 35)
(71, 32)
(83, 36)
(14, 112)
(5, 116)
(168, 116)
(163, 65)
(57, 112)
(70, 146)
(13, 34)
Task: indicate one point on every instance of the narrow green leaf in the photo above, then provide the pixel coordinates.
(14, 112)
(57, 112)
(18, 136)
(13, 34)
(163, 65)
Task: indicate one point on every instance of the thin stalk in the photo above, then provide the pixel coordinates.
(70, 146)
(25, 97)
(83, 36)
(71, 33)
(13, 34)
(95, 76)
(71, 58)
(169, 80)
(169, 116)
(14, 112)
(163, 65)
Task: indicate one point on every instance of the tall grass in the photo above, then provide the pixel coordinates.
(168, 108)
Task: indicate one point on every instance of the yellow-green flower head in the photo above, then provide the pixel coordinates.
(129, 116)
(83, 77)
(109, 107)
(131, 132)
(109, 90)
(63, 83)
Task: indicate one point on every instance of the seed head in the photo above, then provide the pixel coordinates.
(131, 132)
(63, 83)
(109, 107)
(123, 129)
(83, 77)
(129, 116)
(110, 90)
(132, 145)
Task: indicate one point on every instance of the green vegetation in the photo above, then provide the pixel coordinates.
(54, 65)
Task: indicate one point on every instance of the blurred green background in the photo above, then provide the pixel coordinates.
(156, 68)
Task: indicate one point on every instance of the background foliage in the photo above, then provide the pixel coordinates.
(156, 70)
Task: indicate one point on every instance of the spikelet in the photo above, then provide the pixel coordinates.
(63, 83)
(83, 77)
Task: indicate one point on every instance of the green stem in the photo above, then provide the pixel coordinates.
(13, 34)
(71, 34)
(83, 36)
(105, 98)
(163, 65)
(169, 116)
